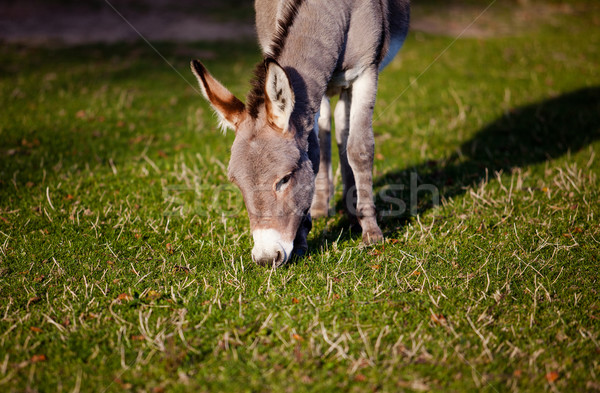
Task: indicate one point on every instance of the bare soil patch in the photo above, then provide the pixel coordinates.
(71, 23)
(39, 23)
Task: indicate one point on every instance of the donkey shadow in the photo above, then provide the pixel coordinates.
(523, 136)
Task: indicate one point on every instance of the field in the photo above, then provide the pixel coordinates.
(125, 253)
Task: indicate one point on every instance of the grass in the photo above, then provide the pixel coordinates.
(124, 254)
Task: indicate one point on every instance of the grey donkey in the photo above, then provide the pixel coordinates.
(281, 155)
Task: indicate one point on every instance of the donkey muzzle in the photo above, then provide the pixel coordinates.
(270, 249)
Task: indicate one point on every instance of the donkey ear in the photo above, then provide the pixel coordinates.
(231, 111)
(279, 95)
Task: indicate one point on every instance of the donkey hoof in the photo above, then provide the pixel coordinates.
(373, 236)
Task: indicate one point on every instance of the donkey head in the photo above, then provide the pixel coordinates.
(269, 162)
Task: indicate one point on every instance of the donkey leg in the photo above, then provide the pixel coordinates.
(361, 149)
(342, 130)
(324, 180)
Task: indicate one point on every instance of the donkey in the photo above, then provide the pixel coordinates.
(281, 155)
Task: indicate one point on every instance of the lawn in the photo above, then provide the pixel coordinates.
(125, 253)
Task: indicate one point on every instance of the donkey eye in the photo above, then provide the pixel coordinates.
(284, 180)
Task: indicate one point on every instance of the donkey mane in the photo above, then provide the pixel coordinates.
(256, 96)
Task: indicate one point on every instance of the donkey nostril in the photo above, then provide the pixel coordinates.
(274, 257)
(277, 258)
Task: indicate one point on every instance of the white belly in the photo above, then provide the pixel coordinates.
(344, 79)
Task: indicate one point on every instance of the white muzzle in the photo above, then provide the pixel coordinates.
(270, 249)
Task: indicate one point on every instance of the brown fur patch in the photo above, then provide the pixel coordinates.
(225, 102)
(256, 96)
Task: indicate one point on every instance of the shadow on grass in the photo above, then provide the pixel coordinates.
(525, 136)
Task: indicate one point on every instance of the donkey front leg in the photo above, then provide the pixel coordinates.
(324, 181)
(342, 130)
(361, 149)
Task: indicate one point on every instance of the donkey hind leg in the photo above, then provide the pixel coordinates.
(324, 181)
(342, 130)
(361, 149)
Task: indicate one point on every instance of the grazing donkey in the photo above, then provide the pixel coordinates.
(281, 155)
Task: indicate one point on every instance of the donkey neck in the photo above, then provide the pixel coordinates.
(309, 83)
(310, 54)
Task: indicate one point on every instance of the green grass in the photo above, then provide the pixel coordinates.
(123, 266)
